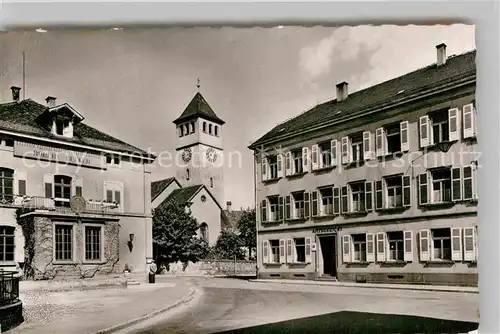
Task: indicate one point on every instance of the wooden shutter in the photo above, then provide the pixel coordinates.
(453, 124)
(379, 195)
(368, 195)
(456, 184)
(370, 247)
(346, 248)
(367, 145)
(380, 142)
(109, 196)
(265, 251)
(288, 163)
(345, 200)
(282, 251)
(287, 207)
(469, 121)
(314, 203)
(423, 189)
(336, 200)
(381, 247)
(20, 179)
(265, 176)
(289, 251)
(335, 152)
(308, 250)
(425, 236)
(305, 159)
(281, 208)
(456, 244)
(475, 194)
(316, 162)
(408, 246)
(307, 204)
(345, 150)
(405, 136)
(263, 207)
(468, 192)
(469, 244)
(48, 181)
(279, 162)
(406, 181)
(424, 131)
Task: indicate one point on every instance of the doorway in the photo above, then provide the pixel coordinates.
(329, 253)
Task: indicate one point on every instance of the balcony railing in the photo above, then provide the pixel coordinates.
(9, 288)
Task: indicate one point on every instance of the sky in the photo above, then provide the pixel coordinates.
(132, 83)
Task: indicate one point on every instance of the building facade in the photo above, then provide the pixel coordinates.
(84, 195)
(375, 186)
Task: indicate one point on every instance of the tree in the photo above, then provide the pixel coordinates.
(175, 232)
(229, 245)
(247, 227)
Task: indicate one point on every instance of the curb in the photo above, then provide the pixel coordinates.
(79, 287)
(371, 286)
(191, 296)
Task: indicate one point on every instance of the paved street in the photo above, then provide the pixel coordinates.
(228, 304)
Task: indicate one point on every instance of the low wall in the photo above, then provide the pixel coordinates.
(11, 316)
(213, 268)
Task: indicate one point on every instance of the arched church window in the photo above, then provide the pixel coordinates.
(187, 174)
(215, 130)
(211, 182)
(204, 231)
(192, 127)
(210, 128)
(204, 126)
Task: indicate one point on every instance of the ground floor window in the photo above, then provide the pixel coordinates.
(359, 247)
(275, 251)
(93, 243)
(6, 243)
(300, 249)
(63, 242)
(441, 244)
(395, 242)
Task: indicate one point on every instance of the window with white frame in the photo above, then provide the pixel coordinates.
(63, 242)
(274, 246)
(357, 199)
(62, 190)
(393, 138)
(326, 201)
(441, 244)
(439, 126)
(93, 243)
(7, 243)
(300, 249)
(325, 154)
(298, 205)
(394, 187)
(113, 159)
(273, 166)
(357, 147)
(114, 193)
(469, 120)
(395, 243)
(359, 247)
(6, 185)
(441, 186)
(297, 162)
(273, 208)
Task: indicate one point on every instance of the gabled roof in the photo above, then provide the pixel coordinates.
(384, 94)
(184, 196)
(157, 187)
(21, 117)
(198, 107)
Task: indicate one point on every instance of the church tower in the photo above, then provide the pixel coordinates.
(199, 153)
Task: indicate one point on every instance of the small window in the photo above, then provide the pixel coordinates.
(275, 251)
(92, 243)
(297, 161)
(326, 207)
(359, 247)
(62, 190)
(6, 185)
(441, 244)
(325, 151)
(204, 232)
(393, 134)
(394, 191)
(441, 185)
(63, 242)
(204, 126)
(357, 147)
(357, 196)
(272, 161)
(210, 128)
(216, 130)
(300, 249)
(211, 182)
(298, 205)
(187, 174)
(7, 244)
(440, 126)
(192, 127)
(395, 242)
(181, 131)
(273, 208)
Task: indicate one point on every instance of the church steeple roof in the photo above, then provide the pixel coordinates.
(198, 107)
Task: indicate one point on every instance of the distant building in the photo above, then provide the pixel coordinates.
(379, 185)
(49, 157)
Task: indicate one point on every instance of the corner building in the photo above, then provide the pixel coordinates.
(375, 186)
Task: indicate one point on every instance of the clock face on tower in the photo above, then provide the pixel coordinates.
(211, 155)
(186, 155)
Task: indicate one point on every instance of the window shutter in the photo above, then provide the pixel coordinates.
(48, 181)
(408, 246)
(117, 196)
(305, 159)
(476, 242)
(335, 155)
(370, 247)
(381, 247)
(405, 136)
(288, 163)
(314, 203)
(282, 251)
(469, 244)
(469, 121)
(406, 181)
(379, 195)
(424, 245)
(424, 131)
(77, 186)
(263, 207)
(265, 251)
(20, 178)
(109, 196)
(453, 124)
(369, 196)
(264, 169)
(345, 200)
(380, 142)
(475, 194)
(287, 207)
(289, 251)
(345, 150)
(456, 244)
(367, 145)
(308, 250)
(281, 208)
(279, 162)
(346, 248)
(456, 184)
(336, 200)
(307, 204)
(315, 161)
(423, 189)
(467, 183)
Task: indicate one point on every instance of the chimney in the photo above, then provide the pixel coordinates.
(15, 93)
(441, 54)
(228, 204)
(51, 101)
(342, 91)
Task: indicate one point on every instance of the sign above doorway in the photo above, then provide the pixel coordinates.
(327, 230)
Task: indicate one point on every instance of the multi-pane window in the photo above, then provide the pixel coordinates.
(394, 191)
(441, 185)
(357, 196)
(357, 147)
(63, 242)
(439, 126)
(441, 244)
(275, 251)
(393, 133)
(395, 241)
(6, 243)
(112, 159)
(273, 208)
(359, 247)
(298, 204)
(297, 161)
(93, 243)
(273, 167)
(300, 249)
(325, 151)
(62, 190)
(114, 193)
(6, 184)
(326, 206)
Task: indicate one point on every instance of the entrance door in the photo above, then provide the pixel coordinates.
(328, 250)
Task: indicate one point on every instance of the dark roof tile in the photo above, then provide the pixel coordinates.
(157, 187)
(198, 107)
(182, 195)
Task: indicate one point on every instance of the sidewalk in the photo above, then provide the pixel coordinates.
(99, 311)
(422, 287)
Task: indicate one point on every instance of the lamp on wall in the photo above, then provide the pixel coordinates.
(444, 146)
(129, 242)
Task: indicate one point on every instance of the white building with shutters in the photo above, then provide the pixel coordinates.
(379, 185)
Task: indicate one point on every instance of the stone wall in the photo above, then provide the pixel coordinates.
(213, 268)
(46, 268)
